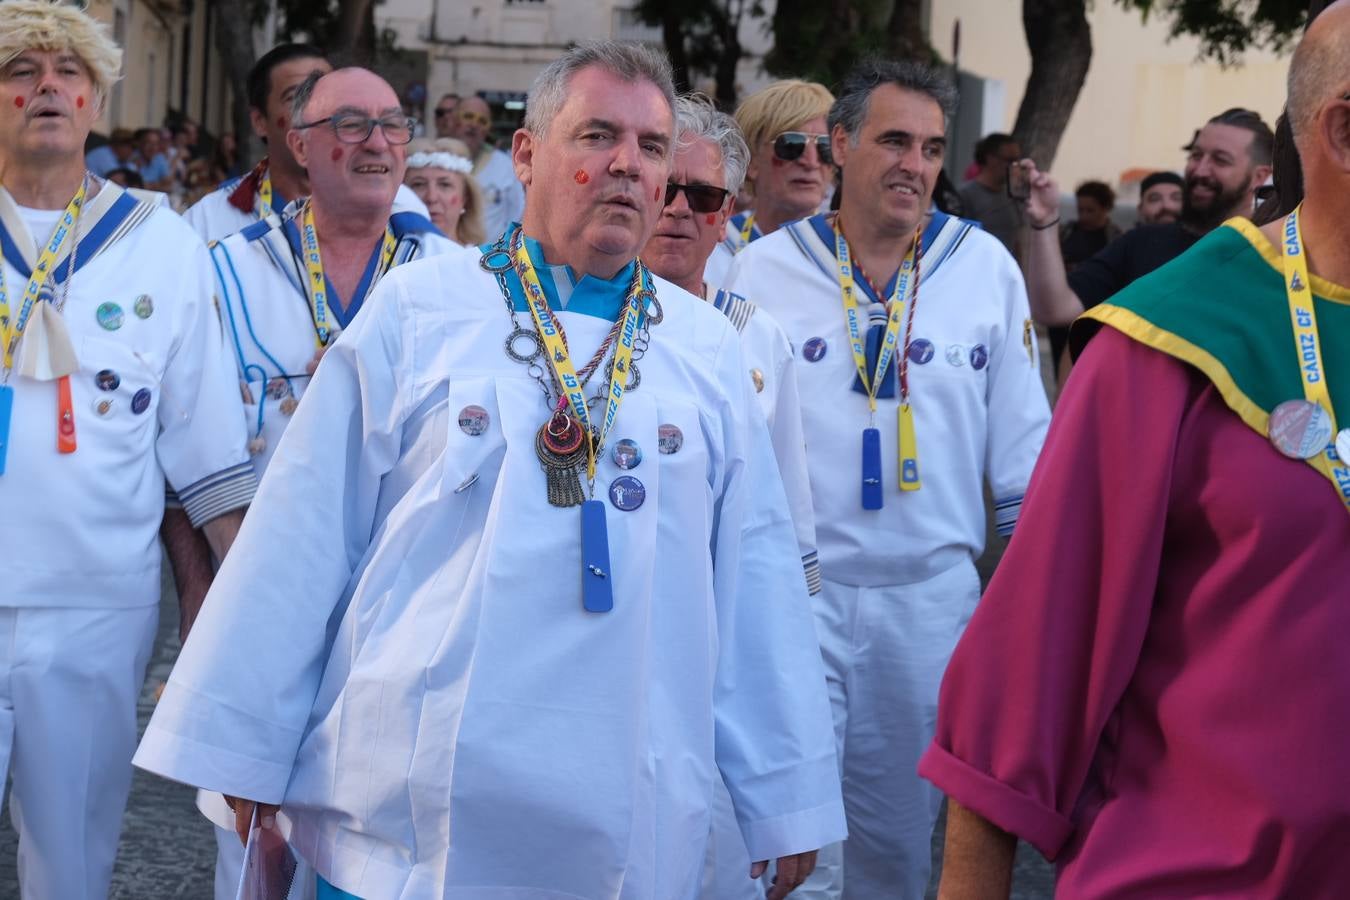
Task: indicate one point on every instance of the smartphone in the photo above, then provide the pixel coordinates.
(1019, 182)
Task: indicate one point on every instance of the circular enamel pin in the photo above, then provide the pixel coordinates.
(814, 349)
(758, 378)
(627, 493)
(979, 357)
(474, 420)
(1300, 429)
(627, 454)
(1343, 445)
(107, 380)
(956, 355)
(140, 401)
(103, 406)
(921, 352)
(144, 307)
(109, 316)
(669, 439)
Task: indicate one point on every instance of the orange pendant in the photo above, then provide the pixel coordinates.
(65, 417)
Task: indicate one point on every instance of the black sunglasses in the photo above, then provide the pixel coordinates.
(702, 198)
(791, 145)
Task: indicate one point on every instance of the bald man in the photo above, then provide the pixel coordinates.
(1153, 689)
(503, 195)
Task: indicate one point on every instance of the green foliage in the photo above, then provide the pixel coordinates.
(1227, 28)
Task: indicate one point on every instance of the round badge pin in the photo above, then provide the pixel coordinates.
(979, 357)
(921, 351)
(103, 406)
(669, 439)
(814, 349)
(473, 420)
(140, 401)
(627, 493)
(109, 316)
(758, 378)
(956, 355)
(1343, 445)
(107, 380)
(144, 307)
(627, 454)
(1300, 429)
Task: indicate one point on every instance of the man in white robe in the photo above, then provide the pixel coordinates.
(116, 377)
(494, 170)
(899, 581)
(432, 705)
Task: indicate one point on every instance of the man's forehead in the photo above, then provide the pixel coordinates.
(476, 104)
(1218, 136)
(592, 94)
(893, 108)
(36, 54)
(698, 160)
(364, 91)
(293, 71)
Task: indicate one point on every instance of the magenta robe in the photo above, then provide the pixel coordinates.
(1155, 690)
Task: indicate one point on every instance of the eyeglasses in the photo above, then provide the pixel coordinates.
(702, 198)
(791, 145)
(469, 117)
(443, 112)
(355, 129)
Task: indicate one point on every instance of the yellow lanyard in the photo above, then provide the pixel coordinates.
(265, 196)
(564, 370)
(318, 282)
(747, 229)
(1308, 345)
(906, 440)
(11, 332)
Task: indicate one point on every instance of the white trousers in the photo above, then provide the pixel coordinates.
(69, 681)
(885, 649)
(726, 870)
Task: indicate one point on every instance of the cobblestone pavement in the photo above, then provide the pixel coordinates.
(168, 850)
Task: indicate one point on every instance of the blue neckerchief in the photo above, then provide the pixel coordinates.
(589, 296)
(89, 243)
(344, 311)
(876, 311)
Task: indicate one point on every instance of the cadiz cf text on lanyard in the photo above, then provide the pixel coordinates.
(1306, 429)
(265, 195)
(317, 288)
(12, 329)
(900, 312)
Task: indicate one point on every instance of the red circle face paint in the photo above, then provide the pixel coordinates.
(18, 103)
(79, 103)
(657, 195)
(711, 218)
(581, 177)
(336, 154)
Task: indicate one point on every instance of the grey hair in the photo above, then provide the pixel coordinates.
(1318, 72)
(696, 118)
(850, 109)
(303, 94)
(629, 61)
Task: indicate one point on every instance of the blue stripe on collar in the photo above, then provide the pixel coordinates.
(346, 310)
(590, 296)
(820, 224)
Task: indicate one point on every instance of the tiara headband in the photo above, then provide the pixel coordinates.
(440, 160)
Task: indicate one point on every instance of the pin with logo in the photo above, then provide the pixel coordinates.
(103, 406)
(921, 352)
(814, 349)
(109, 316)
(1300, 429)
(140, 401)
(956, 355)
(979, 357)
(627, 493)
(669, 439)
(474, 420)
(107, 380)
(144, 307)
(627, 454)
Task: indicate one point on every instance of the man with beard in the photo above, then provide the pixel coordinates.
(1227, 161)
(1160, 198)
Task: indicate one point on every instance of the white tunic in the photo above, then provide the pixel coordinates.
(438, 712)
(979, 403)
(503, 194)
(260, 275)
(88, 521)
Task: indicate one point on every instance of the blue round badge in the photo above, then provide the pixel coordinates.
(627, 454)
(814, 349)
(140, 401)
(979, 357)
(109, 316)
(921, 352)
(627, 493)
(107, 380)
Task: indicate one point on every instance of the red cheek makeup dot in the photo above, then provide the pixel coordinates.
(581, 177)
(711, 218)
(777, 163)
(657, 194)
(18, 102)
(79, 103)
(336, 154)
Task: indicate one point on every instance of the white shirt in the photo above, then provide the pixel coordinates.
(438, 712)
(975, 389)
(503, 195)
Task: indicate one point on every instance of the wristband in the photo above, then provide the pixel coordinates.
(1051, 224)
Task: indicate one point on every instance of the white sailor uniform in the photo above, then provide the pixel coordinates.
(899, 583)
(503, 194)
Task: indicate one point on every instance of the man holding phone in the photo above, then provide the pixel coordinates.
(988, 197)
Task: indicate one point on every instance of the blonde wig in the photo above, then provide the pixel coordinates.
(56, 26)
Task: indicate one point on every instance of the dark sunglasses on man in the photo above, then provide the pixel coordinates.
(702, 198)
(791, 145)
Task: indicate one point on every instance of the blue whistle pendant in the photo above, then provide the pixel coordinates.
(597, 590)
(871, 469)
(6, 409)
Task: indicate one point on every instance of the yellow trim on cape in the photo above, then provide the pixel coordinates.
(1327, 290)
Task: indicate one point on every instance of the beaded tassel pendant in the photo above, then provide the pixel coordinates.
(561, 447)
